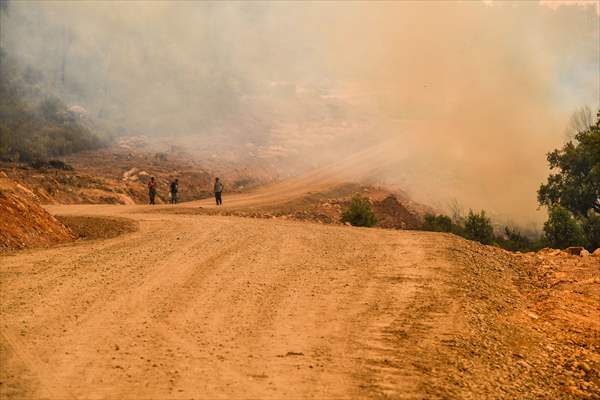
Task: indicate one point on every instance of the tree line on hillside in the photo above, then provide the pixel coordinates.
(571, 194)
(478, 226)
(34, 123)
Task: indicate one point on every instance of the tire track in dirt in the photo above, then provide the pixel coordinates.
(407, 320)
(74, 299)
(32, 368)
(140, 306)
(257, 308)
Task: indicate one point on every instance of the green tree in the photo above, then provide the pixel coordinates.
(359, 213)
(562, 229)
(479, 227)
(576, 184)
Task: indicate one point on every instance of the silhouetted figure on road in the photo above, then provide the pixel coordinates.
(174, 191)
(218, 189)
(152, 190)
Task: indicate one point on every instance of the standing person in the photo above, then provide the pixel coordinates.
(174, 190)
(152, 190)
(218, 190)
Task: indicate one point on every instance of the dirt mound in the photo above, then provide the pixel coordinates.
(89, 228)
(24, 222)
(393, 214)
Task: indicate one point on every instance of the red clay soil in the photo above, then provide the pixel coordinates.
(23, 222)
(391, 213)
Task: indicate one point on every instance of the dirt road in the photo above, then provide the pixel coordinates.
(194, 306)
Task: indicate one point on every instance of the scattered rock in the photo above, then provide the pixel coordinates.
(533, 315)
(584, 253)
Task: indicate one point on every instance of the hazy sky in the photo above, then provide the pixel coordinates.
(454, 99)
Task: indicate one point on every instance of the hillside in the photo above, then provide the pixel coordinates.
(119, 174)
(24, 222)
(35, 123)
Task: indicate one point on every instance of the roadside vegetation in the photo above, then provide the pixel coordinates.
(359, 213)
(571, 195)
(478, 226)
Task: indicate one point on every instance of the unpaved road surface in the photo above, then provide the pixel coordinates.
(194, 306)
(212, 307)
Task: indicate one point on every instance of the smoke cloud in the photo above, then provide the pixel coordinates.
(448, 100)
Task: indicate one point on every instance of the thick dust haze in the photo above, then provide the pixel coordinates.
(448, 100)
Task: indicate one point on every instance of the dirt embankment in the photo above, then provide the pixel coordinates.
(23, 222)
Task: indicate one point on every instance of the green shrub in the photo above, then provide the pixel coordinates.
(479, 227)
(438, 223)
(359, 213)
(562, 229)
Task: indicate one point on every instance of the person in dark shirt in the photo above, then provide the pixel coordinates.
(174, 191)
(218, 189)
(152, 190)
